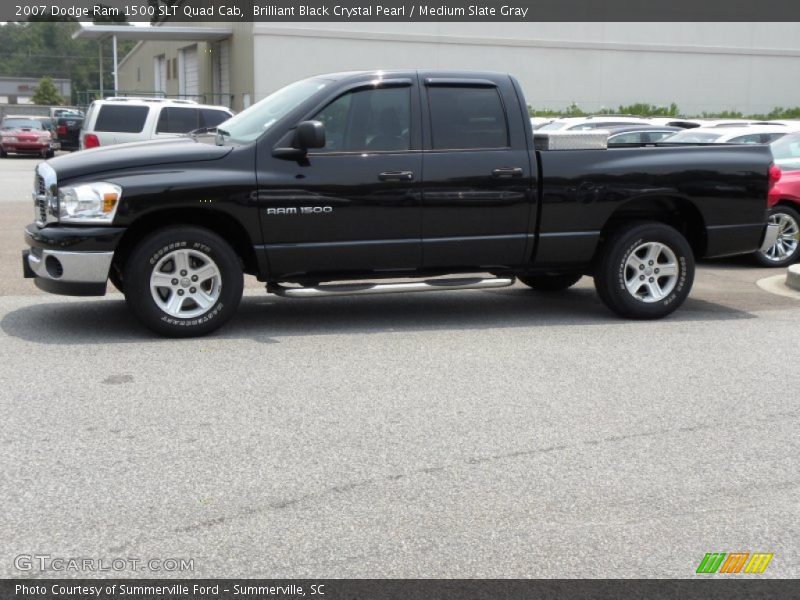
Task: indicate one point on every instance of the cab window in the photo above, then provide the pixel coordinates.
(377, 120)
(464, 118)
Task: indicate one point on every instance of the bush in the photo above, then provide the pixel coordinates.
(643, 109)
(46, 93)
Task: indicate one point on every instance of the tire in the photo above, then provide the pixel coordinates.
(550, 283)
(3, 154)
(160, 290)
(115, 277)
(50, 154)
(643, 248)
(786, 249)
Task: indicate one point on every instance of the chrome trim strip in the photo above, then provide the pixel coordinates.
(78, 267)
(357, 289)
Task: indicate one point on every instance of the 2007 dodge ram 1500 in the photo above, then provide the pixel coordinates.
(383, 175)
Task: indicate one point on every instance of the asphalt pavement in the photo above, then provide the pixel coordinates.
(485, 434)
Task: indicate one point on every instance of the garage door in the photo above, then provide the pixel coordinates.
(189, 84)
(222, 73)
(160, 70)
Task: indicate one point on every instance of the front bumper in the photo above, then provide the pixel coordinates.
(26, 147)
(74, 261)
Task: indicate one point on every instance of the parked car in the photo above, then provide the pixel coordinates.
(68, 127)
(784, 204)
(25, 135)
(390, 174)
(121, 120)
(591, 122)
(58, 111)
(640, 135)
(751, 134)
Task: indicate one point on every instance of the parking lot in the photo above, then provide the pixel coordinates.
(488, 434)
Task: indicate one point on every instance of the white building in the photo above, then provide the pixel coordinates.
(749, 67)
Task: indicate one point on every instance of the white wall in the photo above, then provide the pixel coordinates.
(751, 67)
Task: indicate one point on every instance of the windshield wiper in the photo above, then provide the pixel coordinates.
(201, 130)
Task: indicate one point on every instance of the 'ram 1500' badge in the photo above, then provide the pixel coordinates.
(303, 210)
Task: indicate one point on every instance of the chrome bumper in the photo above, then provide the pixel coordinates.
(770, 236)
(70, 267)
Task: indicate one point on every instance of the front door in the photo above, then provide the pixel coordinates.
(354, 205)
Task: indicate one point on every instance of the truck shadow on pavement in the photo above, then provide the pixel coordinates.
(265, 318)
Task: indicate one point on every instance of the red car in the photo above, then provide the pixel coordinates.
(784, 204)
(24, 135)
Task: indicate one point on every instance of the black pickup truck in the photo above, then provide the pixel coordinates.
(68, 130)
(428, 177)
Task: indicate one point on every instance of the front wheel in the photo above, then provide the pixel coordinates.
(183, 281)
(645, 271)
(786, 249)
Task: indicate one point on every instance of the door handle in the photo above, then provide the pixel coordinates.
(396, 176)
(507, 172)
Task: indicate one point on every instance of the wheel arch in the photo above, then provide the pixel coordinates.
(680, 213)
(217, 221)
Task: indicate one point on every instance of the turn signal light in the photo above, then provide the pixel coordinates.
(90, 141)
(109, 201)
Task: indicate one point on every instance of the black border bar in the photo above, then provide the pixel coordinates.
(718, 588)
(200, 11)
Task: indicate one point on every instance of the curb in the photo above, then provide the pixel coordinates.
(793, 277)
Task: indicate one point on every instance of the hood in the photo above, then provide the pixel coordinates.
(136, 154)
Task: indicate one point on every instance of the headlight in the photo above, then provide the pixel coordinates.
(88, 203)
(9, 138)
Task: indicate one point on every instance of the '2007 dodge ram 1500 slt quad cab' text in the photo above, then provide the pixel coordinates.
(372, 176)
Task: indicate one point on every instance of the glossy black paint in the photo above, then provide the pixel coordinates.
(544, 211)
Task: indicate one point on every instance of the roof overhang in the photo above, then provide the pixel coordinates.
(168, 33)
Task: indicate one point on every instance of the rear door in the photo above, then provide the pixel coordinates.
(477, 189)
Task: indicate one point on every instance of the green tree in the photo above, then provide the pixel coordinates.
(46, 49)
(46, 93)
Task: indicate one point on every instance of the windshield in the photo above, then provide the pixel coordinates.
(21, 124)
(786, 152)
(249, 124)
(692, 136)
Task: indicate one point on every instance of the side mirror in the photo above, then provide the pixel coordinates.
(309, 134)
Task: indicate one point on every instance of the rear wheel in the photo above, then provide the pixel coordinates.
(3, 153)
(183, 281)
(786, 249)
(550, 282)
(645, 271)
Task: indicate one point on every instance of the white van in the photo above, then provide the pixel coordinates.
(121, 120)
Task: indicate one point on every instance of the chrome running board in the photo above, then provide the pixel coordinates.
(355, 289)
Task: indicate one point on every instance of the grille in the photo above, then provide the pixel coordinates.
(41, 209)
(40, 200)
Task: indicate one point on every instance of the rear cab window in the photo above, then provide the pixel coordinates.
(467, 118)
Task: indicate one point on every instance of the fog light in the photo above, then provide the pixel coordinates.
(54, 267)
